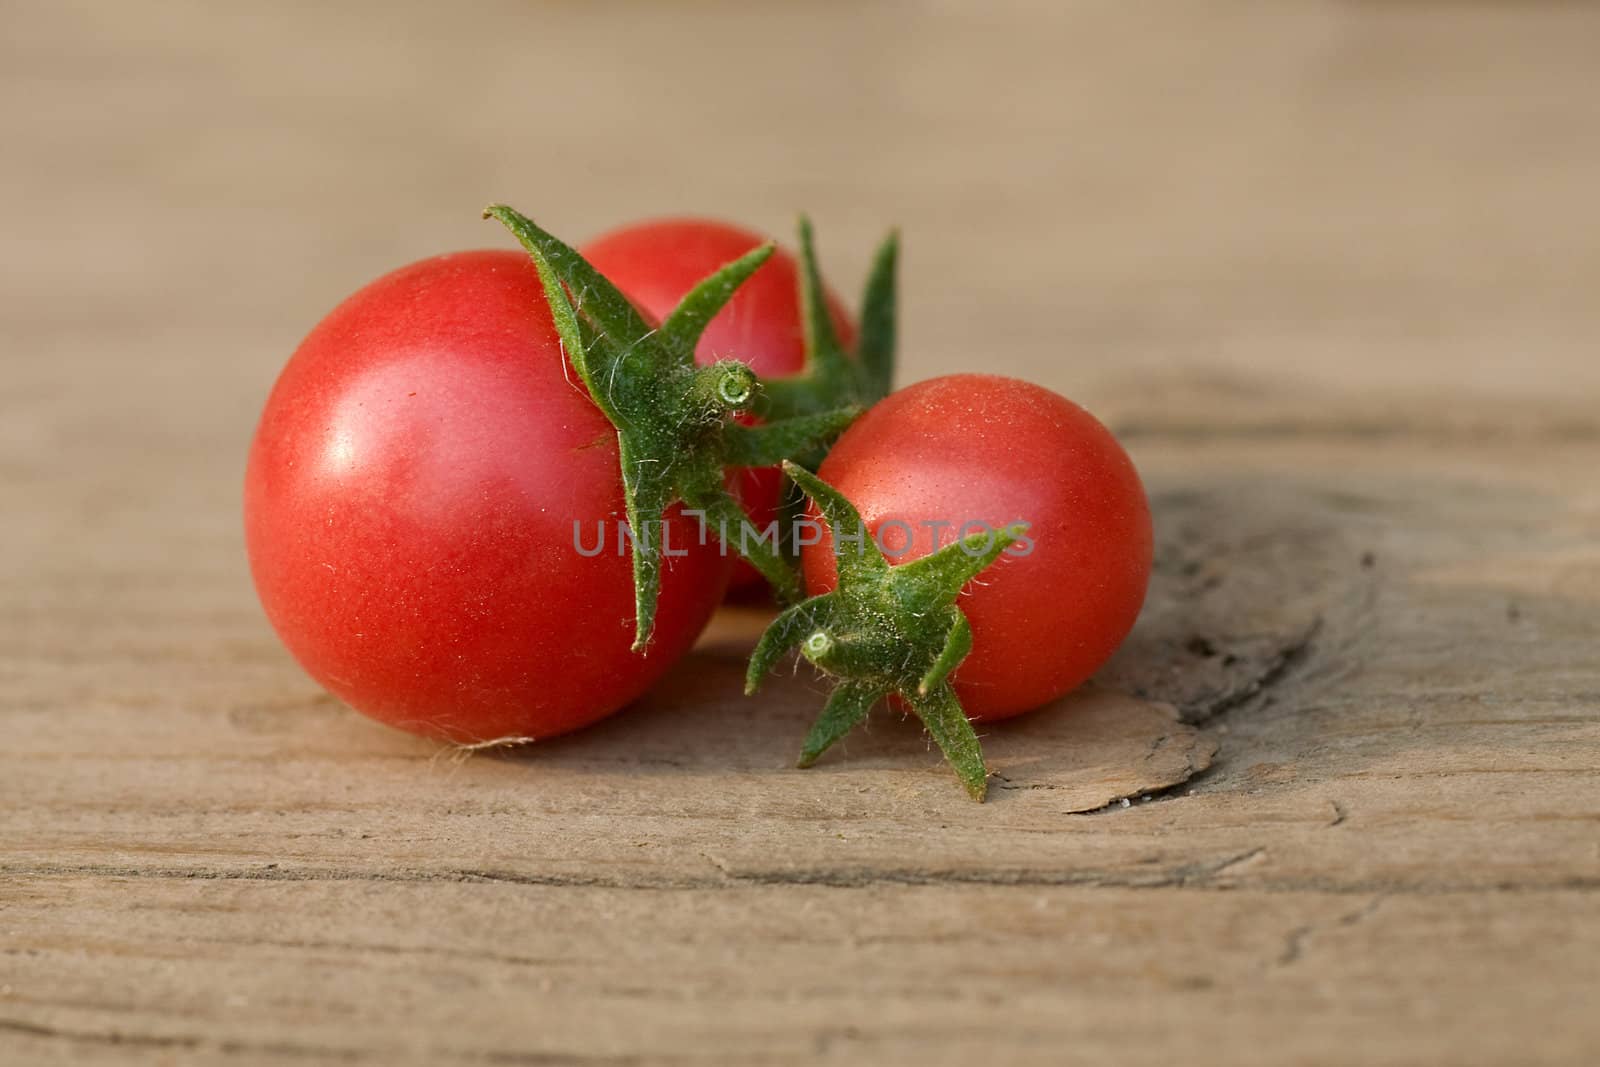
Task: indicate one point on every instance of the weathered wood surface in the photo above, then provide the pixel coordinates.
(1328, 269)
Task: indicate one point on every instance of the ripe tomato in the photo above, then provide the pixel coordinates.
(410, 504)
(656, 263)
(982, 449)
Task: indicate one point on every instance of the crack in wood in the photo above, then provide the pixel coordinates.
(1275, 671)
(107, 1037)
(1199, 876)
(1339, 814)
(835, 877)
(1295, 942)
(233, 1046)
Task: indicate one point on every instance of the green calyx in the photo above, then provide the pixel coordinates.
(676, 431)
(886, 630)
(833, 376)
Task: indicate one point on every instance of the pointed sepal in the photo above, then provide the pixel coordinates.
(859, 559)
(823, 349)
(772, 443)
(876, 346)
(846, 709)
(938, 577)
(957, 643)
(791, 627)
(680, 331)
(592, 293)
(578, 337)
(950, 729)
(834, 377)
(646, 495)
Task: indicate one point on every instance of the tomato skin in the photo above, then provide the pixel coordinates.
(657, 262)
(409, 506)
(988, 449)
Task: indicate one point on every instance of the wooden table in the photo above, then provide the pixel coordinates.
(1331, 271)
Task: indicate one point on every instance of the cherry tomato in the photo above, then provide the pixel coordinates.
(410, 503)
(656, 263)
(987, 450)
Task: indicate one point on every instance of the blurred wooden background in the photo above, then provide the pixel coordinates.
(1331, 269)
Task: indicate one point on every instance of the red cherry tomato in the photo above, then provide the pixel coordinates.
(982, 449)
(410, 504)
(657, 263)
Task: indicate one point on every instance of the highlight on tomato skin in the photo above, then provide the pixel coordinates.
(656, 262)
(993, 450)
(410, 501)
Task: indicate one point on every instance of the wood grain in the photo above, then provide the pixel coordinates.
(1325, 267)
